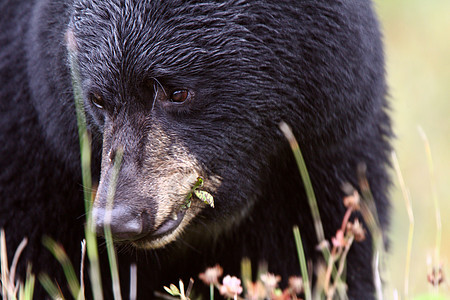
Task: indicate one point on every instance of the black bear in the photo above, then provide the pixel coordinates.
(189, 89)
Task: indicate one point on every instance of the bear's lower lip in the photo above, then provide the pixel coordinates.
(163, 234)
(164, 229)
(169, 225)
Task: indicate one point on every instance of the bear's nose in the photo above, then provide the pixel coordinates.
(126, 224)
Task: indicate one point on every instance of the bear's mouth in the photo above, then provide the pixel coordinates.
(165, 233)
(170, 224)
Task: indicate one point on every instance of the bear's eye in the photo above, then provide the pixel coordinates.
(97, 100)
(179, 96)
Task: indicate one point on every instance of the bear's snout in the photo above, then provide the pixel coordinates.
(126, 224)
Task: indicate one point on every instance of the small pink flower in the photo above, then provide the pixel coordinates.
(211, 275)
(357, 230)
(255, 290)
(338, 240)
(296, 284)
(270, 280)
(231, 286)
(353, 201)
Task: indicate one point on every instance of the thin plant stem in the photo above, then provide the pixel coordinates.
(211, 291)
(347, 215)
(406, 197)
(435, 200)
(4, 265)
(370, 216)
(330, 265)
(189, 288)
(331, 269)
(342, 260)
(133, 282)
(15, 261)
(83, 255)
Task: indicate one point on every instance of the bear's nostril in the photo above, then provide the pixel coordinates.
(125, 223)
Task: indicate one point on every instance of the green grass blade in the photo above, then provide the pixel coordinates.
(85, 149)
(28, 288)
(58, 252)
(85, 143)
(246, 274)
(108, 235)
(306, 180)
(92, 252)
(309, 192)
(50, 287)
(303, 265)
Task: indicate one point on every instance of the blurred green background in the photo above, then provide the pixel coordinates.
(417, 40)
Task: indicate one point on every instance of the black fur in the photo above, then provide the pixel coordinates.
(317, 65)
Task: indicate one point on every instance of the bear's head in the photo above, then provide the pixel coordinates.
(182, 91)
(177, 92)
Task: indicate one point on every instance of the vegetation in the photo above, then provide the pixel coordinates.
(417, 48)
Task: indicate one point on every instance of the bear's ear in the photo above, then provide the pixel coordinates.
(71, 42)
